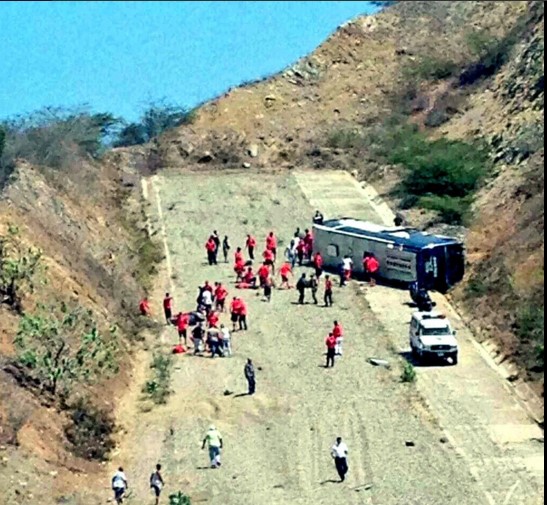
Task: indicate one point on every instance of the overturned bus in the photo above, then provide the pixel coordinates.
(406, 255)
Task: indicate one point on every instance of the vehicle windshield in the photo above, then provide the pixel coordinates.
(435, 331)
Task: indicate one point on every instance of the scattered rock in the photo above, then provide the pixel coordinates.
(513, 377)
(354, 173)
(443, 440)
(252, 151)
(207, 157)
(246, 164)
(410, 443)
(379, 362)
(227, 392)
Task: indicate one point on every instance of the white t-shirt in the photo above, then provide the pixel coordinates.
(339, 451)
(348, 263)
(119, 480)
(295, 245)
(225, 334)
(207, 298)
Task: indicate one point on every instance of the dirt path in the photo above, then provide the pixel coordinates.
(277, 443)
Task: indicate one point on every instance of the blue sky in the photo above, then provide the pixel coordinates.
(118, 56)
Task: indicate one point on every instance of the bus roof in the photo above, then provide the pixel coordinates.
(409, 237)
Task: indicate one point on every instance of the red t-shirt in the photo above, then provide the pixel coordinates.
(243, 308)
(213, 319)
(208, 287)
(210, 246)
(182, 322)
(337, 331)
(318, 261)
(239, 258)
(221, 293)
(144, 307)
(268, 255)
(251, 242)
(373, 265)
(271, 242)
(235, 306)
(263, 271)
(285, 269)
(331, 342)
(168, 303)
(249, 276)
(328, 285)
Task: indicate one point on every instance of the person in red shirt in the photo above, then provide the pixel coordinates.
(328, 291)
(211, 248)
(308, 244)
(373, 266)
(301, 251)
(249, 278)
(213, 319)
(269, 259)
(235, 308)
(168, 307)
(242, 313)
(221, 293)
(250, 244)
(318, 264)
(183, 321)
(238, 256)
(285, 271)
(239, 266)
(338, 333)
(207, 287)
(263, 273)
(330, 342)
(144, 307)
(271, 244)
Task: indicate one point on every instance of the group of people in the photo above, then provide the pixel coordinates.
(212, 247)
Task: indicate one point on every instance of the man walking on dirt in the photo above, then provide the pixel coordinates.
(301, 286)
(211, 248)
(168, 307)
(119, 485)
(250, 244)
(213, 439)
(328, 291)
(250, 376)
(339, 453)
(314, 285)
(157, 483)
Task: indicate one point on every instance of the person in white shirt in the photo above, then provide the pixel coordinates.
(119, 485)
(226, 340)
(207, 300)
(339, 453)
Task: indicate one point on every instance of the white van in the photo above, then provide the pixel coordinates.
(431, 336)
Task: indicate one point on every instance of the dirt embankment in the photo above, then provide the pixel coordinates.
(83, 221)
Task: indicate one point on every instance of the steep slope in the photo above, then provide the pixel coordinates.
(358, 78)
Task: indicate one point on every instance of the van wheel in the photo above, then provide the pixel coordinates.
(454, 358)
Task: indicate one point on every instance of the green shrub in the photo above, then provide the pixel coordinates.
(345, 139)
(179, 498)
(476, 287)
(90, 431)
(60, 347)
(409, 373)
(158, 388)
(429, 68)
(530, 327)
(452, 210)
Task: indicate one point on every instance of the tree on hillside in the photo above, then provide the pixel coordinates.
(2, 140)
(156, 119)
(63, 346)
(19, 266)
(383, 5)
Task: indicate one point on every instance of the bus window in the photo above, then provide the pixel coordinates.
(332, 250)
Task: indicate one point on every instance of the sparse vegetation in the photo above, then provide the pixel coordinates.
(62, 346)
(19, 268)
(530, 327)
(345, 139)
(441, 175)
(429, 68)
(90, 431)
(408, 374)
(179, 498)
(158, 388)
(155, 120)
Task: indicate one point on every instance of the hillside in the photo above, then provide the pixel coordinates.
(458, 70)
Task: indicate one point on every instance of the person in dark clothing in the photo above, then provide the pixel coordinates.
(157, 483)
(301, 286)
(318, 218)
(250, 376)
(226, 248)
(314, 285)
(342, 274)
(399, 220)
(328, 292)
(197, 337)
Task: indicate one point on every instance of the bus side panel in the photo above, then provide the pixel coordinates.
(398, 265)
